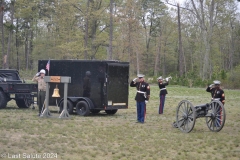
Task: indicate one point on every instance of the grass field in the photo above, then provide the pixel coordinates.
(119, 137)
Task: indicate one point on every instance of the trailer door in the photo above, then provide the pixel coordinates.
(117, 85)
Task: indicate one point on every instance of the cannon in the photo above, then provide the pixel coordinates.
(187, 114)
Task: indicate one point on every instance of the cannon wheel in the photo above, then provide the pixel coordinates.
(216, 116)
(186, 116)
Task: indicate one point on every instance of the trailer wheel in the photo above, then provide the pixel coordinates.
(111, 111)
(82, 108)
(3, 100)
(23, 103)
(69, 107)
(95, 111)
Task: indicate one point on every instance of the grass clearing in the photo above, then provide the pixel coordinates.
(119, 137)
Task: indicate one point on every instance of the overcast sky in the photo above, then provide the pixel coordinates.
(182, 1)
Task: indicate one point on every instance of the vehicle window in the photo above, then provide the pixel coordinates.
(9, 76)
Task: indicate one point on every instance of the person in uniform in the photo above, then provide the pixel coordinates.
(39, 78)
(142, 96)
(87, 84)
(163, 91)
(101, 79)
(217, 94)
(216, 91)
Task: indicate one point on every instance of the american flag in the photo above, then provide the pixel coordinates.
(48, 65)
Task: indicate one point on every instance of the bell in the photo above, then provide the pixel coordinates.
(56, 92)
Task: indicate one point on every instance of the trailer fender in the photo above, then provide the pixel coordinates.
(75, 100)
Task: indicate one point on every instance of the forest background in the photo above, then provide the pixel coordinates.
(194, 42)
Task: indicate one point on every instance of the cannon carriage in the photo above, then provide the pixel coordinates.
(187, 114)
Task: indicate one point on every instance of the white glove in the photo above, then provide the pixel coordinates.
(146, 101)
(211, 85)
(167, 79)
(38, 74)
(134, 80)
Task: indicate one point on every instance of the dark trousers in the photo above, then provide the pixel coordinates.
(141, 111)
(41, 98)
(161, 106)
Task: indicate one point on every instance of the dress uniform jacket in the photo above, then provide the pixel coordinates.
(142, 87)
(162, 87)
(217, 93)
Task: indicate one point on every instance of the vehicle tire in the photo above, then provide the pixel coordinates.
(23, 103)
(69, 107)
(95, 111)
(111, 111)
(3, 100)
(82, 108)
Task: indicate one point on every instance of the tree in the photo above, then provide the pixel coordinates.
(4, 56)
(11, 27)
(206, 14)
(180, 49)
(151, 13)
(111, 30)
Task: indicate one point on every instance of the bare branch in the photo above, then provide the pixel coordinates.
(179, 7)
(75, 6)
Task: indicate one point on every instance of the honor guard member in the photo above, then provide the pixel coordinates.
(216, 91)
(87, 84)
(163, 91)
(39, 78)
(217, 94)
(142, 96)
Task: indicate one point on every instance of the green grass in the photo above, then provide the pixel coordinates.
(119, 137)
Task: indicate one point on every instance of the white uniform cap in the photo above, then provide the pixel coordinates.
(140, 75)
(216, 82)
(88, 73)
(159, 78)
(43, 71)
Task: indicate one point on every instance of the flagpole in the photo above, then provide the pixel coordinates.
(48, 86)
(49, 66)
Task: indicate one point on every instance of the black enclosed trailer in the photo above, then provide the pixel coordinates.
(95, 85)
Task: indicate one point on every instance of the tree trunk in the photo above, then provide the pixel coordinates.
(4, 57)
(96, 5)
(86, 33)
(232, 49)
(17, 45)
(163, 65)
(26, 49)
(111, 31)
(206, 30)
(130, 49)
(180, 50)
(10, 34)
(137, 54)
(206, 64)
(158, 52)
(31, 49)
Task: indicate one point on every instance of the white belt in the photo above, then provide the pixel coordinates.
(144, 93)
(162, 89)
(141, 92)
